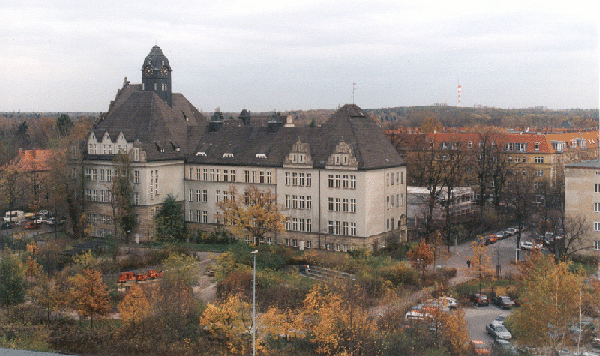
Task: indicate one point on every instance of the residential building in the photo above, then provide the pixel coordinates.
(582, 202)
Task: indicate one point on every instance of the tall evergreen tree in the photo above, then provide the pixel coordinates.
(170, 222)
(122, 197)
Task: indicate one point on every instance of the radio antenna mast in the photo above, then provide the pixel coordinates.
(354, 87)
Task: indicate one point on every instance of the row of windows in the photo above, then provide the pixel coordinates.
(341, 228)
(296, 179)
(597, 188)
(399, 200)
(344, 205)
(294, 243)
(394, 178)
(200, 195)
(200, 216)
(345, 181)
(298, 201)
(230, 175)
(105, 175)
(297, 224)
(512, 146)
(109, 149)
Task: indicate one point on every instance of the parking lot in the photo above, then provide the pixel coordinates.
(478, 317)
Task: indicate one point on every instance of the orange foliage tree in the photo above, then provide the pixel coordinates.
(89, 294)
(229, 323)
(421, 256)
(256, 212)
(135, 306)
(335, 321)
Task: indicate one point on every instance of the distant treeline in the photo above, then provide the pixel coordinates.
(448, 116)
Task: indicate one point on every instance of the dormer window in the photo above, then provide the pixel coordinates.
(470, 144)
(537, 146)
(227, 155)
(201, 154)
(261, 155)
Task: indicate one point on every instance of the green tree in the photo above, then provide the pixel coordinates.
(12, 281)
(170, 222)
(64, 125)
(122, 197)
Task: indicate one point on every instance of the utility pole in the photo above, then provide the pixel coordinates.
(254, 304)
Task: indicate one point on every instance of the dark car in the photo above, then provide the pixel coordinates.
(480, 299)
(504, 348)
(7, 225)
(503, 302)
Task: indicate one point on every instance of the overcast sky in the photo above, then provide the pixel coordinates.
(289, 55)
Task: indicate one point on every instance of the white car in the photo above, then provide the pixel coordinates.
(528, 245)
(418, 315)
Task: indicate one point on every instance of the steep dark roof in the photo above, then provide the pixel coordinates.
(240, 144)
(368, 141)
(144, 116)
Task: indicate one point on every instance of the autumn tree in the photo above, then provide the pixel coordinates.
(256, 213)
(481, 261)
(122, 203)
(334, 320)
(550, 295)
(421, 256)
(135, 306)
(89, 294)
(170, 221)
(174, 302)
(229, 322)
(11, 189)
(12, 281)
(454, 335)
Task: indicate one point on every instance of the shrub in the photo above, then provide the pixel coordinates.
(400, 273)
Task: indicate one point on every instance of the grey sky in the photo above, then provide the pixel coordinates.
(288, 54)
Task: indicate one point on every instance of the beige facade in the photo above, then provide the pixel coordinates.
(582, 201)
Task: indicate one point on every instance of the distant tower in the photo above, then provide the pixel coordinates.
(459, 92)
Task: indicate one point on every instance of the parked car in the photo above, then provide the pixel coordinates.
(512, 230)
(7, 225)
(503, 302)
(480, 299)
(529, 245)
(498, 331)
(14, 216)
(448, 302)
(493, 238)
(503, 347)
(418, 315)
(499, 320)
(31, 225)
(478, 347)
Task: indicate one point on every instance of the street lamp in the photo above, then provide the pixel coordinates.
(254, 304)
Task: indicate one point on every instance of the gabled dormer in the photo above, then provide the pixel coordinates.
(299, 156)
(342, 158)
(92, 145)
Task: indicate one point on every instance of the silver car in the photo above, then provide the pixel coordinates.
(498, 331)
